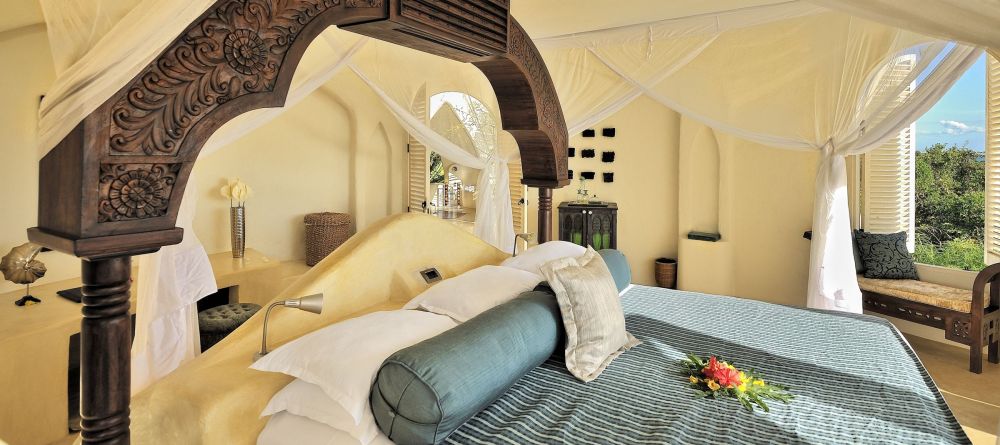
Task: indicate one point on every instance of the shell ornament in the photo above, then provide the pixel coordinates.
(20, 267)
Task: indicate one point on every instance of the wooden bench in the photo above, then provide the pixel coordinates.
(966, 317)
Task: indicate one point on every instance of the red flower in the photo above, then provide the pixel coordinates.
(728, 377)
(714, 366)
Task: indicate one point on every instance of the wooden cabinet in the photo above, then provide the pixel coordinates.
(591, 224)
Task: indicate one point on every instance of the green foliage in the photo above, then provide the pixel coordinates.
(950, 206)
(965, 254)
(436, 169)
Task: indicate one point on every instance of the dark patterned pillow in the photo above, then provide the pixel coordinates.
(859, 265)
(886, 256)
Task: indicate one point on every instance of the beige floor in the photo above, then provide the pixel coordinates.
(974, 398)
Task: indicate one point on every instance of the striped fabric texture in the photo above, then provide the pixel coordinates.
(855, 380)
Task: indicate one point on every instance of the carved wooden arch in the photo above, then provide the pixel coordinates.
(112, 187)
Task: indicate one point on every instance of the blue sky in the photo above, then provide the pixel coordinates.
(960, 116)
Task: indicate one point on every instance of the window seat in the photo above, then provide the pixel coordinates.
(959, 300)
(970, 317)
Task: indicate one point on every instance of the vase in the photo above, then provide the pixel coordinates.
(666, 273)
(238, 230)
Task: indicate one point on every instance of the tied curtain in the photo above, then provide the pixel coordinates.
(802, 79)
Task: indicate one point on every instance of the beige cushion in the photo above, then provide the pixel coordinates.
(921, 292)
(591, 311)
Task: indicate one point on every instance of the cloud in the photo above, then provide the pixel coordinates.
(959, 128)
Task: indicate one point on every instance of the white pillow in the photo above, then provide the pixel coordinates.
(286, 428)
(305, 399)
(344, 357)
(591, 311)
(532, 259)
(474, 292)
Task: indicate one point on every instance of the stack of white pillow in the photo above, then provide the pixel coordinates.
(334, 367)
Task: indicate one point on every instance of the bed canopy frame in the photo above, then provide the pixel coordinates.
(112, 188)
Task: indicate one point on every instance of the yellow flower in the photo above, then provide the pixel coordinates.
(742, 387)
(743, 376)
(693, 379)
(713, 386)
(758, 382)
(729, 366)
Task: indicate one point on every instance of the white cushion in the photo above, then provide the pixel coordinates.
(344, 357)
(591, 311)
(531, 260)
(305, 399)
(285, 428)
(474, 292)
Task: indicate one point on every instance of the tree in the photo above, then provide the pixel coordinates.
(950, 206)
(436, 168)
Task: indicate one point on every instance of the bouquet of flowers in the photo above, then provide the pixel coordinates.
(715, 378)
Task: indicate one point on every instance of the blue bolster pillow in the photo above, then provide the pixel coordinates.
(618, 266)
(423, 393)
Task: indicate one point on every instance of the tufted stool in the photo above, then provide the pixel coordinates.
(216, 323)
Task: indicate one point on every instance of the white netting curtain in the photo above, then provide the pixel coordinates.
(970, 21)
(484, 144)
(170, 283)
(378, 66)
(806, 79)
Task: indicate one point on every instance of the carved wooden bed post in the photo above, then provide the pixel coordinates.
(544, 214)
(112, 188)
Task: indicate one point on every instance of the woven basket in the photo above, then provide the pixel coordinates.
(666, 273)
(324, 233)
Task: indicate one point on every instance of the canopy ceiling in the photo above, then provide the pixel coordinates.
(557, 17)
(540, 18)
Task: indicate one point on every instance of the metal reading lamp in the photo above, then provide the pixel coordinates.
(312, 303)
(527, 237)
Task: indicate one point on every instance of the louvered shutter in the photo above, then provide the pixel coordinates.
(992, 160)
(518, 200)
(417, 160)
(890, 180)
(889, 187)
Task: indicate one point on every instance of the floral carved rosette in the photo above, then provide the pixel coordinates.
(139, 191)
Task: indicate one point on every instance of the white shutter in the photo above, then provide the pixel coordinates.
(890, 180)
(417, 160)
(992, 160)
(518, 198)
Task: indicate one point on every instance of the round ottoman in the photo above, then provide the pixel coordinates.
(216, 323)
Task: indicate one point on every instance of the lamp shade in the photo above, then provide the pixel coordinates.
(312, 303)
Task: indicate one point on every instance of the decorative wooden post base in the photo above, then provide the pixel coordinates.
(544, 215)
(105, 343)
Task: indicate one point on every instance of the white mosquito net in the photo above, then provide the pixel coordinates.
(822, 75)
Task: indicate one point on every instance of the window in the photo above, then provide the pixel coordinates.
(932, 179)
(437, 185)
(939, 180)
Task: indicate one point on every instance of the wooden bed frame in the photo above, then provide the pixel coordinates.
(112, 188)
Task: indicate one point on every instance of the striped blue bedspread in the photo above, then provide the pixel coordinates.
(855, 381)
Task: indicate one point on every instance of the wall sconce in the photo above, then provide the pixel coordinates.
(312, 303)
(527, 237)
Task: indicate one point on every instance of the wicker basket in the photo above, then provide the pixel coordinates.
(325, 232)
(666, 273)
